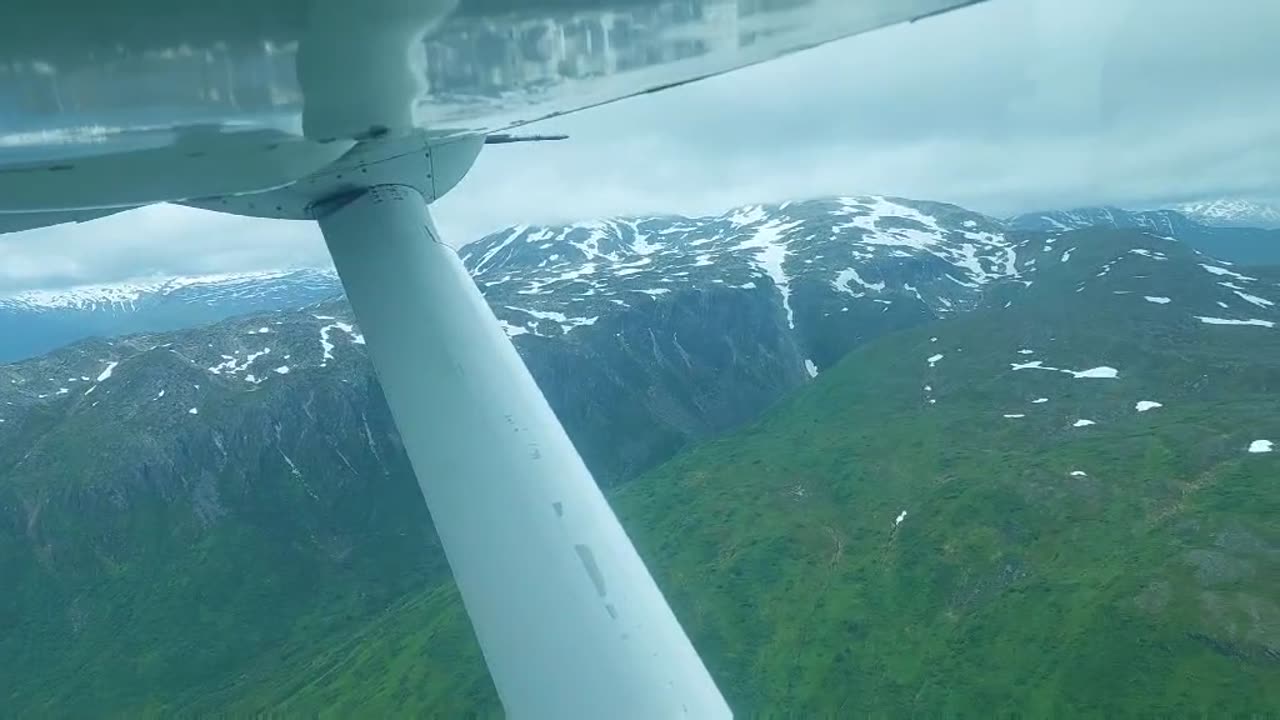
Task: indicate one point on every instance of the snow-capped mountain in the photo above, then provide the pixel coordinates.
(1231, 212)
(838, 255)
(680, 327)
(1253, 245)
(34, 322)
(873, 251)
(827, 257)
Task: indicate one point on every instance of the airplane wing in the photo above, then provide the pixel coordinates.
(17, 222)
(163, 91)
(597, 57)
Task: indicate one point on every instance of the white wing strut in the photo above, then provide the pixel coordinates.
(570, 622)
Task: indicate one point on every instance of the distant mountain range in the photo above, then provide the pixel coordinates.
(35, 322)
(883, 455)
(1232, 213)
(1246, 245)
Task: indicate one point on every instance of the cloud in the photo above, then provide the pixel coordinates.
(1004, 107)
(150, 241)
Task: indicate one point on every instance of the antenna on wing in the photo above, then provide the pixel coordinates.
(504, 138)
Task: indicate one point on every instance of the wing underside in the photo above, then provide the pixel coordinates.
(17, 222)
(190, 99)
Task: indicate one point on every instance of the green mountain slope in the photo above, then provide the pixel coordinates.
(1043, 566)
(120, 610)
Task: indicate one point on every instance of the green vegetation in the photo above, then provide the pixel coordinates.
(1010, 586)
(1129, 567)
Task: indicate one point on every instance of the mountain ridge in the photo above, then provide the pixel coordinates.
(793, 292)
(37, 321)
(127, 294)
(1245, 245)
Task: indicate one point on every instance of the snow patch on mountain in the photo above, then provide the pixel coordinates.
(233, 365)
(771, 256)
(1228, 321)
(1225, 272)
(1103, 372)
(326, 343)
(1254, 299)
(108, 371)
(848, 275)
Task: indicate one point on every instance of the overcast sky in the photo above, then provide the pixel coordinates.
(1006, 107)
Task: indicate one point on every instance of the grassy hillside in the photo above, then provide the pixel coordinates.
(105, 612)
(1043, 566)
